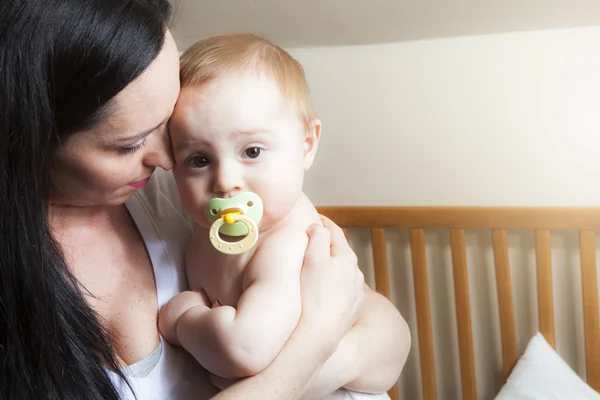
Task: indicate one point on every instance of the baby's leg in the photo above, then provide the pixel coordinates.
(174, 309)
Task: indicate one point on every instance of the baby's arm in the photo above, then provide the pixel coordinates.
(175, 308)
(238, 343)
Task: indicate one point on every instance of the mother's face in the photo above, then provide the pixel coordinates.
(105, 165)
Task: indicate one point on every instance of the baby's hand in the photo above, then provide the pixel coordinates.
(178, 306)
(207, 301)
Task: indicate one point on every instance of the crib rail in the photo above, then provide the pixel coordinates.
(542, 221)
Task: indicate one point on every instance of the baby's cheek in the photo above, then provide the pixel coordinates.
(281, 197)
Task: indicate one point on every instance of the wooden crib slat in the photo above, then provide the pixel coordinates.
(382, 282)
(394, 392)
(544, 285)
(426, 350)
(463, 314)
(587, 247)
(505, 300)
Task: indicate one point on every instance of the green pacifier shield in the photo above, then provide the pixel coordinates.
(247, 203)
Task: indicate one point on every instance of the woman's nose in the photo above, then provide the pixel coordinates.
(160, 153)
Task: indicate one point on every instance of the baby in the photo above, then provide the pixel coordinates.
(243, 133)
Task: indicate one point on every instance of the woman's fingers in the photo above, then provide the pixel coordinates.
(338, 239)
(319, 240)
(339, 244)
(332, 284)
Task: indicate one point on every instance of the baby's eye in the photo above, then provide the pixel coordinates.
(253, 152)
(197, 161)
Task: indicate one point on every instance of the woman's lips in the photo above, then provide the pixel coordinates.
(139, 184)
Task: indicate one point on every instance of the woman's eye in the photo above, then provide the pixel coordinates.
(253, 152)
(197, 162)
(134, 148)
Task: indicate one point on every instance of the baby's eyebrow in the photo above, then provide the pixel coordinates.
(251, 131)
(187, 143)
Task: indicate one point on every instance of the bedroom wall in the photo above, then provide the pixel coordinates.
(507, 120)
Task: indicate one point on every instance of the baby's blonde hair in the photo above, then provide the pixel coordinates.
(218, 55)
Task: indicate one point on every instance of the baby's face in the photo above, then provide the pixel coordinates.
(238, 134)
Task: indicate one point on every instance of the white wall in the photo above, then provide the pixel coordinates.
(510, 119)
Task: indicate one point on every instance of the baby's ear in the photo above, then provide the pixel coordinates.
(311, 143)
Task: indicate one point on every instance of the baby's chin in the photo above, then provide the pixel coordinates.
(203, 224)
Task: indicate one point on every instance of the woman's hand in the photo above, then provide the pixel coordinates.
(332, 284)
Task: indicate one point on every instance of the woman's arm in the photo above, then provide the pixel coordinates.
(332, 297)
(287, 377)
(371, 356)
(382, 345)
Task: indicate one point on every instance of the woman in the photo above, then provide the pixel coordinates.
(92, 233)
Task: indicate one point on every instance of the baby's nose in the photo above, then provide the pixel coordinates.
(227, 185)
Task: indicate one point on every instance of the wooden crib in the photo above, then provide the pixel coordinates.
(456, 220)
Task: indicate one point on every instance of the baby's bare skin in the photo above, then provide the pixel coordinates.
(254, 297)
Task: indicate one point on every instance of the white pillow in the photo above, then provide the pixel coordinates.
(541, 373)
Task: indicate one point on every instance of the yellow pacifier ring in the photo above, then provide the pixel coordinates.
(233, 247)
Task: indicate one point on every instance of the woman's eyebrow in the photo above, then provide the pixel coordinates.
(140, 135)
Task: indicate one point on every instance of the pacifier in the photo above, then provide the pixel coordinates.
(237, 216)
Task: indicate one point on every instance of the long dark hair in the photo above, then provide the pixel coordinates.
(61, 63)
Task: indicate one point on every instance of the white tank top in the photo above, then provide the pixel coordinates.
(165, 229)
